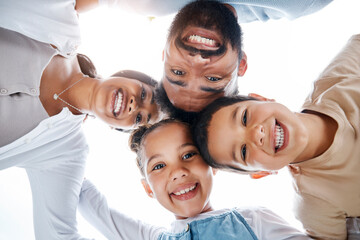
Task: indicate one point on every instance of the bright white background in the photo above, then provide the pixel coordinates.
(284, 58)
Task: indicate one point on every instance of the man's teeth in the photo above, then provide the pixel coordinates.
(118, 102)
(199, 39)
(185, 190)
(279, 136)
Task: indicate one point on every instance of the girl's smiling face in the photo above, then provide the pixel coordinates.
(175, 173)
(256, 135)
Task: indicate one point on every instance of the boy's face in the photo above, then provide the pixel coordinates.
(176, 174)
(256, 135)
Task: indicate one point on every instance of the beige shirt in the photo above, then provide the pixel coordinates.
(328, 186)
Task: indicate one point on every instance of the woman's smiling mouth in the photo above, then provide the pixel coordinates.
(118, 102)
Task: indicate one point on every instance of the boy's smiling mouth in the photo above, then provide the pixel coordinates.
(185, 192)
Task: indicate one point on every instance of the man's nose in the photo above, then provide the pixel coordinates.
(198, 59)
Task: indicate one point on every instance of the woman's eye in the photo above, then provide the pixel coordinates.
(143, 94)
(158, 166)
(138, 118)
(213, 79)
(178, 72)
(243, 152)
(244, 118)
(188, 155)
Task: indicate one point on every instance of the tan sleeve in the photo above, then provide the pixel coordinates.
(320, 219)
(347, 62)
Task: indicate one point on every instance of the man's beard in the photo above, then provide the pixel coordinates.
(209, 15)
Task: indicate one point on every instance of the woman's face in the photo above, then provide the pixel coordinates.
(176, 174)
(124, 103)
(256, 135)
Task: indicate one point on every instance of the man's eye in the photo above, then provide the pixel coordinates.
(143, 94)
(138, 118)
(243, 152)
(158, 166)
(213, 79)
(178, 72)
(244, 118)
(188, 155)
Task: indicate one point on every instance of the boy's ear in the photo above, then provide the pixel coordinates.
(242, 65)
(261, 174)
(261, 98)
(147, 188)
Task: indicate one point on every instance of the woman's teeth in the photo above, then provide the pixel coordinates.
(199, 39)
(279, 136)
(185, 190)
(118, 102)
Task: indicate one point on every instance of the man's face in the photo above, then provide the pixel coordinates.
(201, 57)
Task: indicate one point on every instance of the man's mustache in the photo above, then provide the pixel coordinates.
(204, 53)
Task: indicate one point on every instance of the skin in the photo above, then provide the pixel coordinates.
(96, 96)
(257, 136)
(192, 81)
(172, 164)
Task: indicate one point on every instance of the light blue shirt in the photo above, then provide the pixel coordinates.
(247, 10)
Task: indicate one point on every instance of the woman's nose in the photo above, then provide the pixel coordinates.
(132, 105)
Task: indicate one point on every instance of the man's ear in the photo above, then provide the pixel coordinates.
(261, 174)
(147, 188)
(261, 98)
(242, 65)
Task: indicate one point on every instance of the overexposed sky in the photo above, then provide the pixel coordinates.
(284, 58)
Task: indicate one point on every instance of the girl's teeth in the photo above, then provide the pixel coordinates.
(185, 190)
(279, 136)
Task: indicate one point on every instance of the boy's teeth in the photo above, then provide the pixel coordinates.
(185, 190)
(199, 39)
(279, 136)
(118, 102)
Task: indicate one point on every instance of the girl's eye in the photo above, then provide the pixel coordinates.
(213, 79)
(243, 152)
(138, 118)
(178, 72)
(143, 94)
(244, 118)
(159, 166)
(188, 155)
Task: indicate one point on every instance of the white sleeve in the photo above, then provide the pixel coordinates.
(111, 223)
(269, 226)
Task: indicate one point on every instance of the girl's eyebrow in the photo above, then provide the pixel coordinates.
(186, 144)
(153, 157)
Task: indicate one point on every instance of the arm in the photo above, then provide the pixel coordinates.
(268, 225)
(111, 223)
(86, 5)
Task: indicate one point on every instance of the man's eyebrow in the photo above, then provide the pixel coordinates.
(176, 82)
(152, 97)
(212, 90)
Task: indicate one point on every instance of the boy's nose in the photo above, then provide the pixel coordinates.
(258, 134)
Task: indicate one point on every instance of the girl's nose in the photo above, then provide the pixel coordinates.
(132, 105)
(178, 173)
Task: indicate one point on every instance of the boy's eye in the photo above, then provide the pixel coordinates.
(213, 79)
(243, 152)
(188, 155)
(158, 166)
(138, 118)
(143, 94)
(244, 118)
(178, 72)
